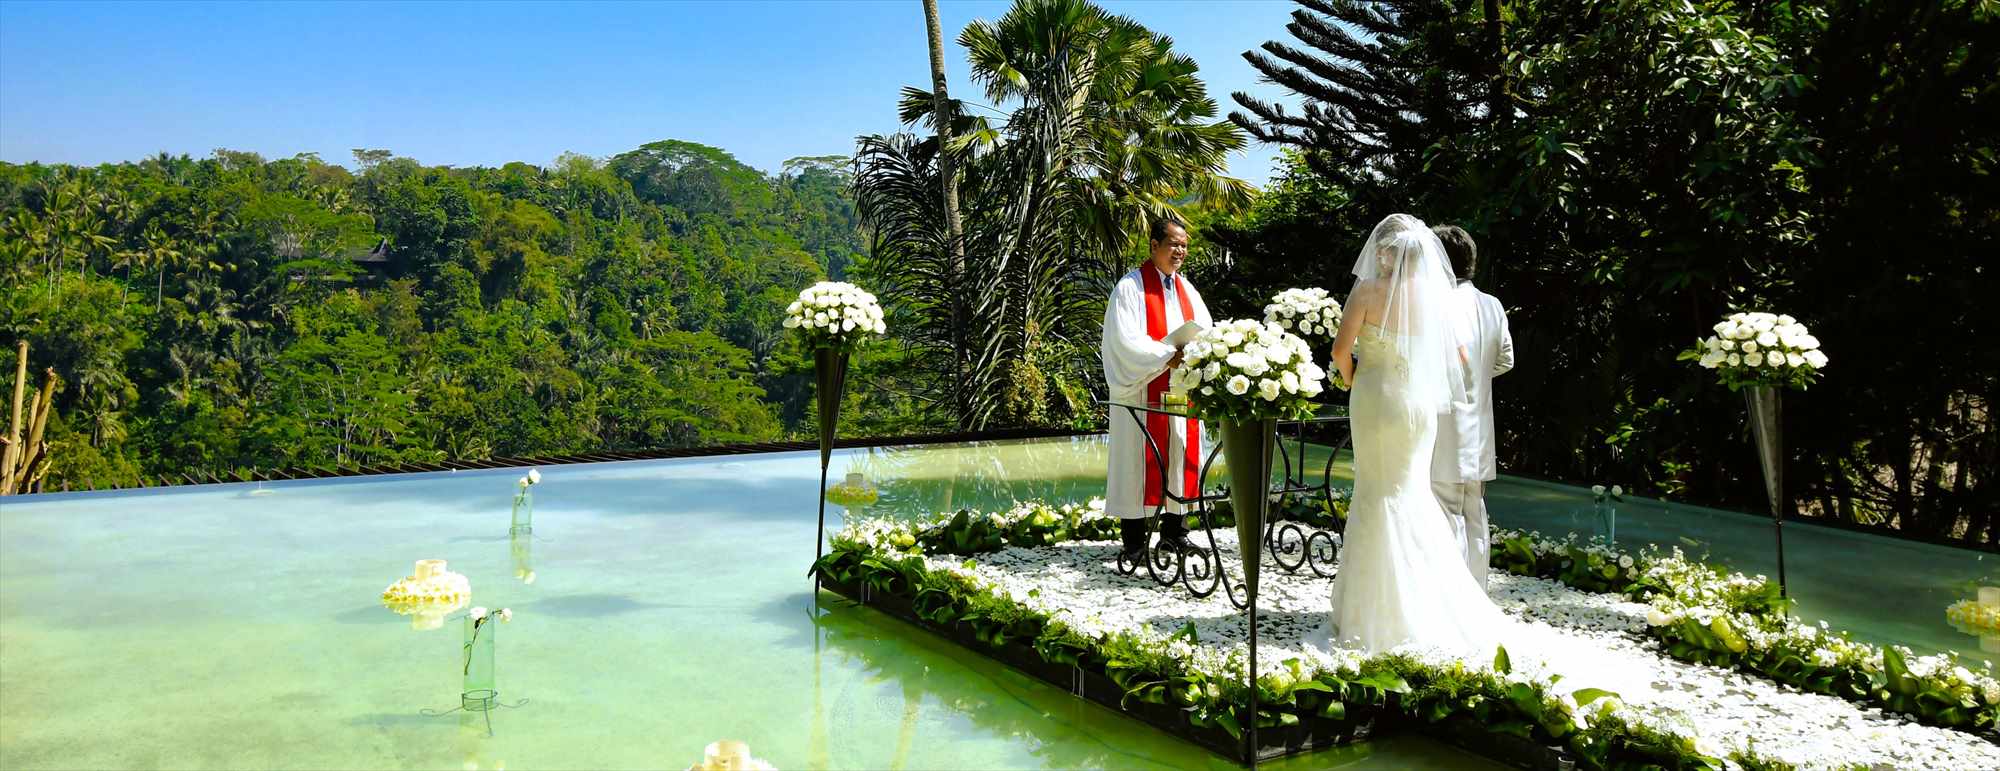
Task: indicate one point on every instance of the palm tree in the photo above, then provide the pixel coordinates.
(161, 252)
(1109, 128)
(942, 107)
(19, 243)
(1110, 108)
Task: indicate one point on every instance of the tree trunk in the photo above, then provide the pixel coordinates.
(948, 175)
(13, 450)
(1496, 95)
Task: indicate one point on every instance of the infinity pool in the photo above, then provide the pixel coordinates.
(238, 626)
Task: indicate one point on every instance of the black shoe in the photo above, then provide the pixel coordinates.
(1132, 533)
(1174, 534)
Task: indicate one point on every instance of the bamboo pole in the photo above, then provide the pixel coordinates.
(35, 454)
(13, 452)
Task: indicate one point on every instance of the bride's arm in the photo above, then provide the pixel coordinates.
(1359, 303)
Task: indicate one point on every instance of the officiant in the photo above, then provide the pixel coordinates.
(1146, 306)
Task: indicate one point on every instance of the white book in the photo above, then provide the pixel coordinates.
(1185, 334)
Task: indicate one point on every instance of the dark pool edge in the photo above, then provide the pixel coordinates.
(1821, 522)
(196, 479)
(1321, 734)
(212, 479)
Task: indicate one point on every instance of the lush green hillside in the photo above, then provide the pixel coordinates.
(233, 312)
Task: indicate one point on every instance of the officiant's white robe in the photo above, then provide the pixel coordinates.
(1135, 361)
(1462, 460)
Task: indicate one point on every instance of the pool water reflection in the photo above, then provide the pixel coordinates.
(228, 627)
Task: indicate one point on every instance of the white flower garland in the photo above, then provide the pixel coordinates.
(1691, 590)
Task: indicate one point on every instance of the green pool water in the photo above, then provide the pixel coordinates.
(238, 626)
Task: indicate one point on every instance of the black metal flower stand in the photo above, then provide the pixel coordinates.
(830, 370)
(1248, 446)
(1766, 427)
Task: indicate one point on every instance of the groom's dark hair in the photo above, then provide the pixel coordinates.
(1458, 245)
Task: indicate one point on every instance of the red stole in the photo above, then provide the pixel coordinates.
(1160, 426)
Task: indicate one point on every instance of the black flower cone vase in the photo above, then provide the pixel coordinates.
(830, 370)
(1248, 446)
(1766, 422)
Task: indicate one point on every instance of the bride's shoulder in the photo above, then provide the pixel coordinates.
(1369, 289)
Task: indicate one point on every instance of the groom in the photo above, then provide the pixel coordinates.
(1145, 306)
(1462, 462)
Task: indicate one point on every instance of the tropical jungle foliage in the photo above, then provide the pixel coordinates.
(1634, 170)
(235, 312)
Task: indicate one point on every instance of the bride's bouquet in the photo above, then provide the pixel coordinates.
(1241, 370)
(1309, 313)
(1753, 349)
(834, 314)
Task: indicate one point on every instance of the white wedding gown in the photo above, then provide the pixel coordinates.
(1401, 580)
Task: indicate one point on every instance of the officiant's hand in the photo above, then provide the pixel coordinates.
(1176, 360)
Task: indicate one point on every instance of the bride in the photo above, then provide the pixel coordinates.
(1402, 579)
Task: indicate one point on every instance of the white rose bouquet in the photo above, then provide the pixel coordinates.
(1242, 370)
(1309, 313)
(1750, 349)
(834, 314)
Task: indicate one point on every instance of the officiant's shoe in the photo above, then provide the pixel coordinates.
(1132, 532)
(1174, 534)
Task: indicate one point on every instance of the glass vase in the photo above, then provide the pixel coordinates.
(480, 691)
(1607, 522)
(524, 513)
(521, 546)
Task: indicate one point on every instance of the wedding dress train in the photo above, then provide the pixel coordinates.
(1401, 580)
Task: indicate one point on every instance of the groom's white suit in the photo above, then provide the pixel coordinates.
(1462, 462)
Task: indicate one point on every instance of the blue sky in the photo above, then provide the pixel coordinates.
(486, 83)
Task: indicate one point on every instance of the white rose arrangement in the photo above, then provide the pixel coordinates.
(852, 495)
(427, 594)
(835, 314)
(1760, 349)
(1309, 313)
(1241, 370)
(1974, 615)
(1612, 494)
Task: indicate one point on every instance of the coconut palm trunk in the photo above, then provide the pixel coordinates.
(947, 174)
